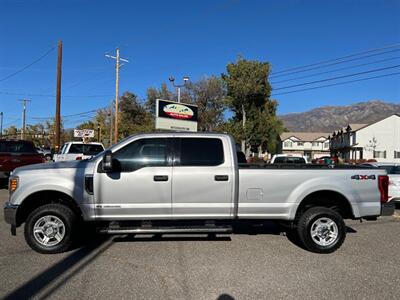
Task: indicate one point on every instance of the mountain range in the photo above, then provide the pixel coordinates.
(330, 118)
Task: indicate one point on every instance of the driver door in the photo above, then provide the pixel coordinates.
(140, 185)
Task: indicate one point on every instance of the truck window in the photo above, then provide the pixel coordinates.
(17, 147)
(391, 169)
(201, 152)
(92, 149)
(63, 149)
(76, 149)
(280, 160)
(241, 157)
(142, 153)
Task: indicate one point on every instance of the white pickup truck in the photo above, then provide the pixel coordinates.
(189, 183)
(78, 151)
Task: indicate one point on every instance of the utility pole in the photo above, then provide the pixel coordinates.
(118, 59)
(1, 124)
(58, 98)
(244, 126)
(111, 124)
(23, 117)
(98, 132)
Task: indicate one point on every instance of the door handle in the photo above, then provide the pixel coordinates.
(160, 178)
(221, 177)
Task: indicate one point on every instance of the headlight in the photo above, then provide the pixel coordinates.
(13, 184)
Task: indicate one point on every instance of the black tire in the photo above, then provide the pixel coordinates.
(306, 221)
(63, 213)
(48, 157)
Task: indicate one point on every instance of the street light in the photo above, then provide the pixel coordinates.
(178, 86)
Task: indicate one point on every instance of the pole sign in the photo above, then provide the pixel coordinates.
(83, 133)
(172, 115)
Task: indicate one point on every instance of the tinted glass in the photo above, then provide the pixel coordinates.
(295, 160)
(142, 153)
(91, 149)
(201, 152)
(63, 148)
(391, 169)
(76, 148)
(17, 147)
(279, 160)
(241, 157)
(289, 160)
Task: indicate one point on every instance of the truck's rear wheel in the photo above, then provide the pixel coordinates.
(321, 230)
(50, 228)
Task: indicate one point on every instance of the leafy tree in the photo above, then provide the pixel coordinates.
(208, 94)
(153, 94)
(133, 117)
(11, 132)
(248, 97)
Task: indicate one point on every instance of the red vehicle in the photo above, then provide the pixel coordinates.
(17, 153)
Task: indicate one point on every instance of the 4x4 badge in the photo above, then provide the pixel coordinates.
(363, 177)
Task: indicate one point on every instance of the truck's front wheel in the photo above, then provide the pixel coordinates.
(50, 228)
(321, 230)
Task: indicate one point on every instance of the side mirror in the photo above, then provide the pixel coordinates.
(107, 163)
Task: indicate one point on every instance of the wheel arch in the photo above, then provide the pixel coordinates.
(327, 198)
(40, 198)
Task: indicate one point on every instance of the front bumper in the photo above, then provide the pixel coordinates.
(388, 208)
(10, 216)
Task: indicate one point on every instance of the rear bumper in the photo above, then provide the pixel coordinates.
(388, 208)
(10, 216)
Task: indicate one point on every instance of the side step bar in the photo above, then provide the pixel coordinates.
(157, 230)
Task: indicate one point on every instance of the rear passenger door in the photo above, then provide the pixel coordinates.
(202, 185)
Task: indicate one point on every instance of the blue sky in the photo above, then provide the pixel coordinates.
(195, 38)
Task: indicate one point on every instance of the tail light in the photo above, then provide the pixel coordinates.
(78, 158)
(383, 183)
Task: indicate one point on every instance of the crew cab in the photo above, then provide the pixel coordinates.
(78, 151)
(189, 183)
(17, 153)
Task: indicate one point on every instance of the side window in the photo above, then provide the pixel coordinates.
(142, 153)
(64, 148)
(396, 170)
(201, 152)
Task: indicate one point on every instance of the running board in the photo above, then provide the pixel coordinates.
(160, 230)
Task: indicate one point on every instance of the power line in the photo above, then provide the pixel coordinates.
(28, 65)
(72, 115)
(50, 95)
(335, 70)
(335, 63)
(338, 58)
(337, 77)
(338, 83)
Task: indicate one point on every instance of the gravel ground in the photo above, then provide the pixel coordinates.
(239, 266)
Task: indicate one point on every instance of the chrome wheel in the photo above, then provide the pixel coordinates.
(49, 230)
(324, 231)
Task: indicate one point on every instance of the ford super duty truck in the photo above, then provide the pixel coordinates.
(188, 183)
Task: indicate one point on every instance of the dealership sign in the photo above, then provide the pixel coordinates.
(176, 116)
(81, 133)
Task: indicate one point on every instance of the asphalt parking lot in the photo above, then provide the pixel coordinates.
(240, 266)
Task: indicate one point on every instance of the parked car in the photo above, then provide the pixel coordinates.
(393, 171)
(189, 183)
(327, 160)
(288, 159)
(78, 151)
(45, 152)
(17, 153)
